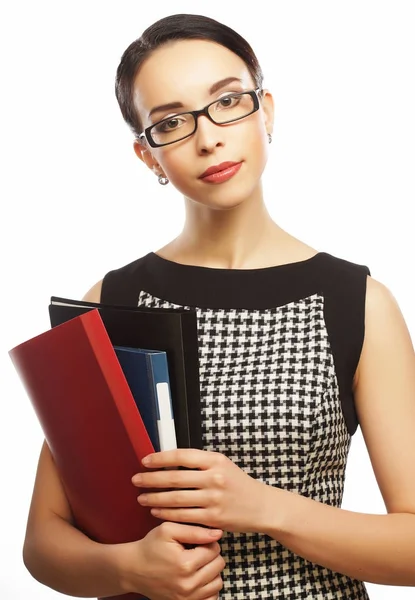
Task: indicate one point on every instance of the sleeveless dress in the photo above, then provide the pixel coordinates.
(278, 349)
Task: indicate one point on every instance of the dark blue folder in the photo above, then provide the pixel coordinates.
(144, 370)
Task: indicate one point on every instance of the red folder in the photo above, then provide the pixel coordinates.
(91, 424)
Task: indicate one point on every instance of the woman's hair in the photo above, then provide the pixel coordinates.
(175, 27)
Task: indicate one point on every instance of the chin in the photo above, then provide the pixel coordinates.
(223, 202)
(221, 198)
(225, 206)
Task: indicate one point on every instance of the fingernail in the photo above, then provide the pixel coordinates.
(146, 460)
(215, 532)
(137, 479)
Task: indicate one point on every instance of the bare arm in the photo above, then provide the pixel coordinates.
(374, 548)
(59, 555)
(55, 552)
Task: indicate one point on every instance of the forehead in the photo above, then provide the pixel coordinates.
(183, 71)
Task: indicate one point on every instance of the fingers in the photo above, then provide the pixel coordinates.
(212, 589)
(200, 556)
(170, 478)
(193, 591)
(189, 534)
(208, 580)
(197, 571)
(176, 498)
(181, 515)
(184, 457)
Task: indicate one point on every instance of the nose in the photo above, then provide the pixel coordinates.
(208, 135)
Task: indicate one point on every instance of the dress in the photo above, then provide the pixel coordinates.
(278, 348)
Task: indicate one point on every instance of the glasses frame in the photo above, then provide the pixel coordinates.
(146, 134)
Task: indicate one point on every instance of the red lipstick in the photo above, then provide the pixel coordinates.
(220, 173)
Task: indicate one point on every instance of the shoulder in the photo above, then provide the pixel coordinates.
(379, 298)
(384, 320)
(384, 326)
(337, 265)
(344, 285)
(120, 285)
(94, 293)
(130, 269)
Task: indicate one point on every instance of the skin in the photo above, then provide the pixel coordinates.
(228, 226)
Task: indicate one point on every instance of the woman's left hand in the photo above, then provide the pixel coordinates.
(215, 493)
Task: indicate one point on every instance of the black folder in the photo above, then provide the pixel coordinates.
(171, 330)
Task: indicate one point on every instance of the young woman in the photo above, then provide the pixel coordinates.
(297, 348)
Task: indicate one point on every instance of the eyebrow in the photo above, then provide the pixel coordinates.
(213, 88)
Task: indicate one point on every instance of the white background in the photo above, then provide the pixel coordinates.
(75, 201)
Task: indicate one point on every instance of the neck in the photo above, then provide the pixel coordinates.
(240, 236)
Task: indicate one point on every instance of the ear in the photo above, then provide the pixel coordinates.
(267, 103)
(144, 154)
(142, 151)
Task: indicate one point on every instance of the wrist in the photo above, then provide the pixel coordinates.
(126, 562)
(273, 510)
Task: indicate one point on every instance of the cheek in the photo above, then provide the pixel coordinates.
(175, 160)
(256, 146)
(182, 165)
(251, 140)
(176, 167)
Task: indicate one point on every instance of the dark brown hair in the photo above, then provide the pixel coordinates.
(175, 27)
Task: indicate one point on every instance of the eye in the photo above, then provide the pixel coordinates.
(227, 102)
(169, 125)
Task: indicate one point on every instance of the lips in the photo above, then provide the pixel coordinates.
(218, 168)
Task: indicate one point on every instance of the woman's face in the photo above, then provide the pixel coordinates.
(184, 72)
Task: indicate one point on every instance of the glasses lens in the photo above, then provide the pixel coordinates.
(232, 107)
(225, 110)
(174, 129)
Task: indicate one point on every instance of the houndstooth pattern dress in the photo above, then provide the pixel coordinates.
(271, 401)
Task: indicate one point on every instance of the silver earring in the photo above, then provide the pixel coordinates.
(269, 138)
(163, 180)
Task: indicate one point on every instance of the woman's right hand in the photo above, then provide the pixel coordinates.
(161, 568)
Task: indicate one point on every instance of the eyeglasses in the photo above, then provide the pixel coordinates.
(227, 109)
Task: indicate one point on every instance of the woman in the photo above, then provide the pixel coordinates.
(297, 348)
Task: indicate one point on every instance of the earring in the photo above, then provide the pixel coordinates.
(269, 138)
(162, 179)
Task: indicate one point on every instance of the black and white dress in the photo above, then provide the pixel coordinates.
(278, 349)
